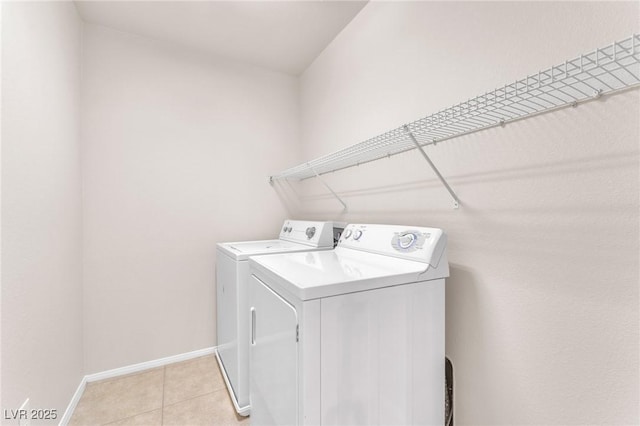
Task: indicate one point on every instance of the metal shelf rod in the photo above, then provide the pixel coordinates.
(456, 201)
(344, 206)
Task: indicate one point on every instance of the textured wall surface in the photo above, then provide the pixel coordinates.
(177, 148)
(542, 303)
(41, 205)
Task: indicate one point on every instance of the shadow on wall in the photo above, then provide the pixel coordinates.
(288, 196)
(529, 251)
(543, 256)
(463, 315)
(292, 199)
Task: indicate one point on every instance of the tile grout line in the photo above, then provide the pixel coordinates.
(164, 380)
(128, 417)
(222, 386)
(100, 383)
(111, 380)
(194, 397)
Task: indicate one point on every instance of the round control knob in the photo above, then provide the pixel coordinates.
(289, 229)
(357, 234)
(405, 241)
(347, 234)
(284, 229)
(311, 232)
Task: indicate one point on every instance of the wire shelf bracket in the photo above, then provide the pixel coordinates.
(608, 70)
(456, 201)
(326, 185)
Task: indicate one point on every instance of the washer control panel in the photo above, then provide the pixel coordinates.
(310, 232)
(415, 243)
(317, 234)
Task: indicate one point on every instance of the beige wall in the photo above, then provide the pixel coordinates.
(542, 303)
(41, 205)
(177, 148)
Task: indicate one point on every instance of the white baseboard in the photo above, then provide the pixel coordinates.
(148, 365)
(134, 368)
(64, 420)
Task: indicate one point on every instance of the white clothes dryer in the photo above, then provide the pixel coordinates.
(232, 277)
(351, 336)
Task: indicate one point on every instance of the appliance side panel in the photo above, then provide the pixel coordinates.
(243, 315)
(383, 356)
(273, 357)
(427, 355)
(227, 326)
(309, 359)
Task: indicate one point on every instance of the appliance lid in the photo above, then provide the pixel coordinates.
(316, 274)
(243, 249)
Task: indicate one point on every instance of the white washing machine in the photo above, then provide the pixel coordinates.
(351, 336)
(232, 276)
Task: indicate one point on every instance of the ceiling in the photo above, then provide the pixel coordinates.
(281, 35)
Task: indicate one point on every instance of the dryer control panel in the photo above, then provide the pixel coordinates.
(408, 242)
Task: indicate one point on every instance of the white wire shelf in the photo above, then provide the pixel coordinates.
(606, 70)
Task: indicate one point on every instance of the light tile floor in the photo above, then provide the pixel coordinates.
(185, 393)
